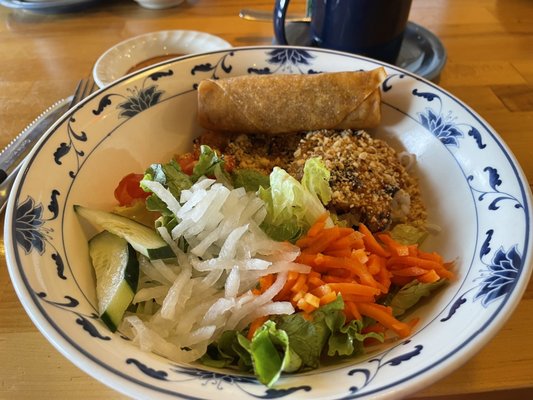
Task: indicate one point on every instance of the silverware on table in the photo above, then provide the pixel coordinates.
(13, 155)
(267, 16)
(15, 152)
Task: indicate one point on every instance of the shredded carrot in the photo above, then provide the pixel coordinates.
(336, 278)
(413, 250)
(375, 263)
(321, 291)
(321, 241)
(384, 277)
(361, 267)
(319, 225)
(360, 255)
(358, 298)
(298, 296)
(299, 284)
(430, 256)
(401, 280)
(328, 298)
(353, 240)
(398, 262)
(255, 325)
(305, 306)
(312, 300)
(375, 327)
(371, 242)
(307, 259)
(354, 288)
(353, 311)
(410, 271)
(384, 316)
(397, 248)
(315, 281)
(346, 252)
(265, 282)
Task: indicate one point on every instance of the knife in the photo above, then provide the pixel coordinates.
(13, 155)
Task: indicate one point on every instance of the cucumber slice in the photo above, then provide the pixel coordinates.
(117, 273)
(143, 239)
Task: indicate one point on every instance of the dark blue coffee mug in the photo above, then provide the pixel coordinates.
(373, 28)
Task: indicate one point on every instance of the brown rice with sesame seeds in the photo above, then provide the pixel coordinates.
(369, 183)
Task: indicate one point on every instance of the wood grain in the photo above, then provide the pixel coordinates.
(490, 67)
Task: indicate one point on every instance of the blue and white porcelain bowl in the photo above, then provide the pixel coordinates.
(472, 185)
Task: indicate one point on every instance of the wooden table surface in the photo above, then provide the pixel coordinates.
(490, 67)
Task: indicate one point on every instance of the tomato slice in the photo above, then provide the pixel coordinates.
(129, 190)
(187, 162)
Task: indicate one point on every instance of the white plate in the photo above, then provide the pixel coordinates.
(119, 59)
(471, 183)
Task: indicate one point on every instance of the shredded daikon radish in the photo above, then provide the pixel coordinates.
(266, 296)
(149, 293)
(175, 299)
(163, 232)
(199, 335)
(233, 282)
(217, 263)
(162, 268)
(184, 307)
(271, 308)
(219, 308)
(164, 194)
(151, 272)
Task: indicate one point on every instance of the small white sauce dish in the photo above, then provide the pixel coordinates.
(151, 48)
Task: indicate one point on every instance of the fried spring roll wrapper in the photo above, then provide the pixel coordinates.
(274, 104)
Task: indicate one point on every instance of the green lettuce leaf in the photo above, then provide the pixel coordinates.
(290, 343)
(316, 179)
(292, 207)
(169, 175)
(305, 339)
(407, 234)
(251, 180)
(172, 177)
(411, 294)
(231, 349)
(271, 354)
(209, 163)
(347, 339)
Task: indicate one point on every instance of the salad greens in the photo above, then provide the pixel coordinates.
(175, 180)
(410, 294)
(293, 206)
(290, 343)
(407, 234)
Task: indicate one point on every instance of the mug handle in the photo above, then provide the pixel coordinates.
(280, 11)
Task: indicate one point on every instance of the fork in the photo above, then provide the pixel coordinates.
(83, 89)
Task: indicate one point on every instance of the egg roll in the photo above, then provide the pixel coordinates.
(284, 103)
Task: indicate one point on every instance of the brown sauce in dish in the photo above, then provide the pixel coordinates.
(151, 61)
